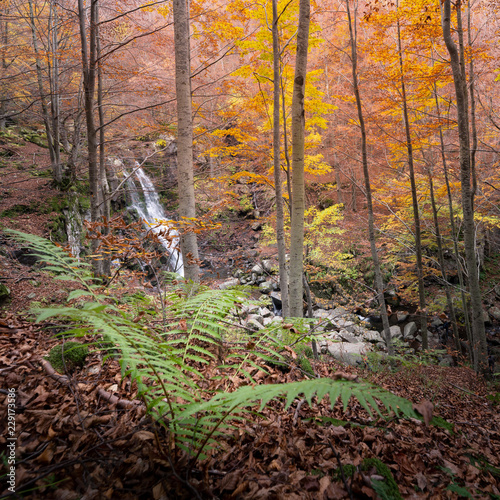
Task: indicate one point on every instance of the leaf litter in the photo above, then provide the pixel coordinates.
(85, 438)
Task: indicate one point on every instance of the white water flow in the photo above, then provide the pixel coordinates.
(151, 212)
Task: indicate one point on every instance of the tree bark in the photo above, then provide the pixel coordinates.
(280, 216)
(89, 55)
(298, 136)
(479, 347)
(416, 211)
(185, 176)
(379, 284)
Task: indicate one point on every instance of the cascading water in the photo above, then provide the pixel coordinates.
(151, 212)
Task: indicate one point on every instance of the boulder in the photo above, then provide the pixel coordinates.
(268, 266)
(266, 287)
(486, 317)
(401, 316)
(265, 312)
(338, 312)
(254, 325)
(410, 329)
(348, 337)
(372, 336)
(396, 332)
(494, 312)
(257, 269)
(321, 313)
(229, 283)
(348, 353)
(344, 323)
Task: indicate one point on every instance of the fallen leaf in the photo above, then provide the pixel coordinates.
(425, 409)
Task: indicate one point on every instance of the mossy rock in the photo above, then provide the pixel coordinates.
(74, 353)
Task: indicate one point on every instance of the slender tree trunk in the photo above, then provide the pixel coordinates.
(185, 176)
(298, 133)
(285, 147)
(89, 55)
(55, 98)
(56, 167)
(104, 198)
(416, 211)
(478, 333)
(454, 235)
(439, 241)
(379, 284)
(4, 40)
(280, 216)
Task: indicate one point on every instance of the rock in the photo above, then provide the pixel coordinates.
(348, 337)
(238, 273)
(348, 353)
(446, 361)
(401, 316)
(436, 323)
(250, 309)
(266, 287)
(256, 317)
(396, 332)
(268, 266)
(265, 312)
(254, 325)
(321, 313)
(32, 296)
(338, 312)
(344, 323)
(486, 317)
(4, 292)
(418, 338)
(494, 312)
(410, 329)
(372, 336)
(229, 284)
(257, 269)
(256, 226)
(273, 320)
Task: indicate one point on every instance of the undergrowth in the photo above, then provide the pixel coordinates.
(166, 360)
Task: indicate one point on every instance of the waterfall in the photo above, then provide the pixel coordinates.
(151, 212)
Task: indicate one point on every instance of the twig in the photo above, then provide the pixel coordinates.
(466, 391)
(344, 480)
(115, 400)
(296, 415)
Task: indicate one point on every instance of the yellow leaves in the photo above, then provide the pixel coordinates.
(314, 165)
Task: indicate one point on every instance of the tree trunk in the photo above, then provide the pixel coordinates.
(416, 211)
(189, 244)
(280, 216)
(379, 284)
(454, 232)
(89, 55)
(479, 348)
(47, 119)
(298, 192)
(439, 241)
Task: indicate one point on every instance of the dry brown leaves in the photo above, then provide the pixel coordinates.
(77, 434)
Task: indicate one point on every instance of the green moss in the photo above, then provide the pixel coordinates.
(348, 469)
(20, 209)
(74, 356)
(387, 489)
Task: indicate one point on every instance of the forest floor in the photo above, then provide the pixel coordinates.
(79, 436)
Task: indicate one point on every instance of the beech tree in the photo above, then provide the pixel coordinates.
(379, 284)
(298, 192)
(280, 217)
(187, 210)
(479, 347)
